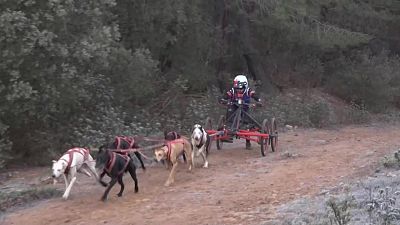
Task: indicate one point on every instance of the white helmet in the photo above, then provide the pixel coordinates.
(240, 82)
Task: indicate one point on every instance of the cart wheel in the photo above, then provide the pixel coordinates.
(221, 123)
(274, 138)
(208, 124)
(264, 141)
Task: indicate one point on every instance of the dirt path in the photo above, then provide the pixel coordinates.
(240, 187)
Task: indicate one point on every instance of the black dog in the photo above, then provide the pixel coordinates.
(172, 135)
(122, 143)
(115, 165)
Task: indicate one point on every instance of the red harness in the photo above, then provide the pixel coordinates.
(111, 163)
(129, 140)
(169, 149)
(83, 151)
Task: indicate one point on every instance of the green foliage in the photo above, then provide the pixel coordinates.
(179, 34)
(5, 145)
(57, 66)
(368, 80)
(77, 72)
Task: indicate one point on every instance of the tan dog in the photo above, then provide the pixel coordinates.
(170, 152)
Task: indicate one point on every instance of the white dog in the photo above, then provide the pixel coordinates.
(201, 142)
(71, 163)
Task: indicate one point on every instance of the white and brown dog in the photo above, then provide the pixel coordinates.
(201, 143)
(71, 163)
(171, 152)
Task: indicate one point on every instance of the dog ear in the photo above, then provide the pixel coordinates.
(54, 161)
(165, 133)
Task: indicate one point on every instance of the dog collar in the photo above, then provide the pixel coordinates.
(169, 150)
(201, 140)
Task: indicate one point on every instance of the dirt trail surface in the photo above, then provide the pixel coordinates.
(239, 187)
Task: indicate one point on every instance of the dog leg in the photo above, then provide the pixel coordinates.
(192, 157)
(67, 191)
(167, 164)
(191, 161)
(110, 185)
(184, 157)
(171, 178)
(91, 165)
(100, 179)
(140, 159)
(121, 182)
(66, 181)
(198, 151)
(84, 171)
(203, 154)
(132, 172)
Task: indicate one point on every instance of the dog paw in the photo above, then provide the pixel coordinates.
(103, 199)
(65, 197)
(119, 195)
(104, 184)
(167, 184)
(136, 190)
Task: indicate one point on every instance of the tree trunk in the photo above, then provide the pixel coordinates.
(251, 55)
(222, 18)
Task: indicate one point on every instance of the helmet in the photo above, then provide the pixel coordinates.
(240, 82)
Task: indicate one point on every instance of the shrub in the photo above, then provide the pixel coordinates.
(339, 210)
(18, 198)
(366, 79)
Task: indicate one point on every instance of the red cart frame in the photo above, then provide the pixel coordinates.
(264, 134)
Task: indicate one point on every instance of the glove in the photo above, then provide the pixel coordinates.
(223, 101)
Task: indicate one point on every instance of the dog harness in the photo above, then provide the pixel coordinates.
(83, 151)
(111, 163)
(169, 148)
(129, 140)
(201, 139)
(174, 134)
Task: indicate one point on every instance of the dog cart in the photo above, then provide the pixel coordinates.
(241, 125)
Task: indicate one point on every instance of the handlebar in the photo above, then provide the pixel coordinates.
(240, 102)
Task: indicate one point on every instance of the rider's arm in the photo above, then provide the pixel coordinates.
(225, 98)
(254, 96)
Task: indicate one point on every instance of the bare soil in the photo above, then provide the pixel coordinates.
(239, 187)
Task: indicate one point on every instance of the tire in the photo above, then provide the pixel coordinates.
(221, 124)
(274, 138)
(264, 141)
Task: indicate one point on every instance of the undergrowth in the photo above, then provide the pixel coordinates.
(19, 198)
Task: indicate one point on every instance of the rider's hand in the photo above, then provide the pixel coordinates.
(223, 101)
